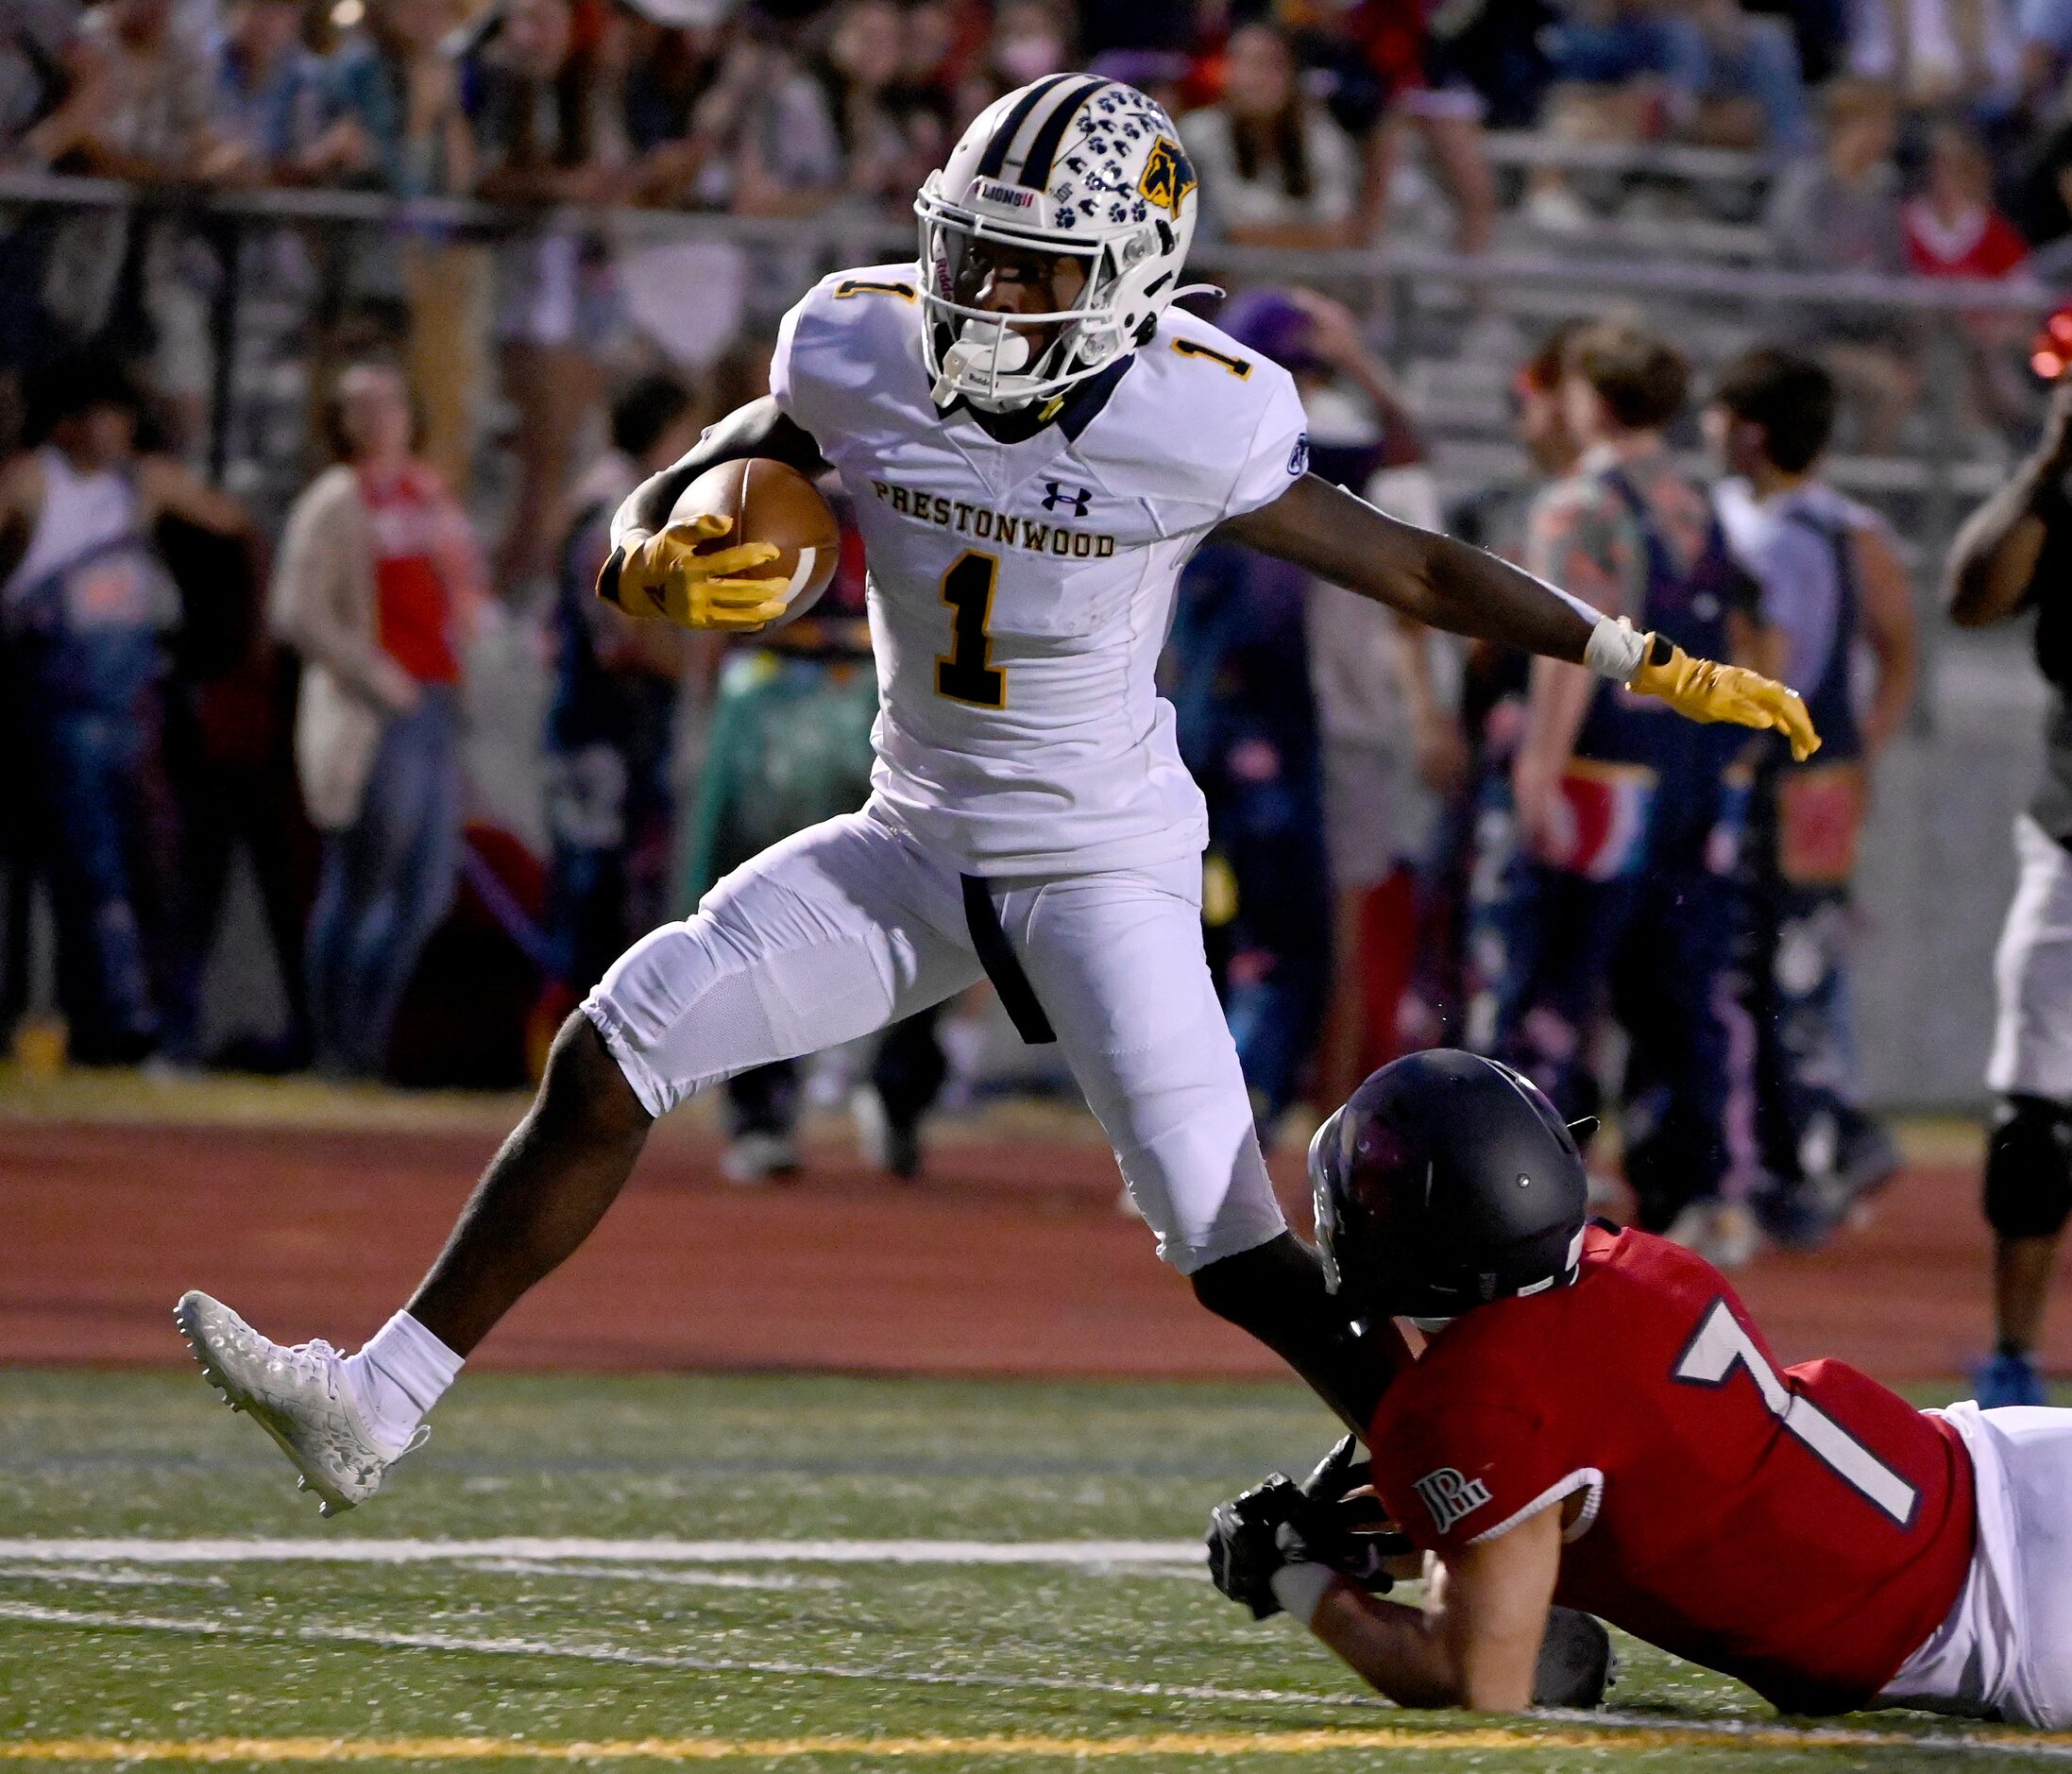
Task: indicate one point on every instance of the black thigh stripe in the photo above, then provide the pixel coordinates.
(996, 955)
(1042, 151)
(994, 157)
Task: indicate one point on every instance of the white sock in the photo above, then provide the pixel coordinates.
(399, 1376)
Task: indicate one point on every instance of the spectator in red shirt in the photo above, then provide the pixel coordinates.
(377, 568)
(1951, 227)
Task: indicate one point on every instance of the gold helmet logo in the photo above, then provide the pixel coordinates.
(1168, 175)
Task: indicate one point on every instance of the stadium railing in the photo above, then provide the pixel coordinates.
(1426, 297)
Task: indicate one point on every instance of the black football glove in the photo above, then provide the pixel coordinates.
(1577, 1664)
(1351, 1533)
(1253, 1535)
(1246, 1544)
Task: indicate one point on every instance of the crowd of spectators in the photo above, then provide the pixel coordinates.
(1915, 134)
(1926, 137)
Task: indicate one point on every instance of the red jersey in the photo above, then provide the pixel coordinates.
(1802, 1529)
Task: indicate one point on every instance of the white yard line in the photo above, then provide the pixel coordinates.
(693, 1579)
(1759, 1733)
(1080, 1553)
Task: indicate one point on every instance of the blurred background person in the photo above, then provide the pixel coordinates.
(610, 790)
(1955, 56)
(1838, 211)
(1623, 896)
(1386, 73)
(1954, 230)
(1738, 80)
(1614, 67)
(268, 93)
(225, 776)
(1288, 714)
(393, 107)
(2014, 556)
(1952, 226)
(1387, 734)
(1275, 170)
(377, 569)
(836, 133)
(1237, 674)
(2040, 202)
(1831, 587)
(538, 105)
(85, 603)
(1473, 858)
(139, 105)
(1028, 38)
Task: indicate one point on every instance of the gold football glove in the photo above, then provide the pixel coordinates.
(664, 575)
(1702, 690)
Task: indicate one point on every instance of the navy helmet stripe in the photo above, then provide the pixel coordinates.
(1043, 149)
(992, 161)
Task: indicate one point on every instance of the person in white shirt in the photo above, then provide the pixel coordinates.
(1830, 584)
(1279, 172)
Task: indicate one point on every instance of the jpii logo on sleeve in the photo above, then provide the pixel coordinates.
(1451, 1496)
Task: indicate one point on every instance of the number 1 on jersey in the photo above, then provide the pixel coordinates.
(1721, 1344)
(967, 672)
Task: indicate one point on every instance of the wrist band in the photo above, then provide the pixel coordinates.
(1299, 1588)
(1615, 649)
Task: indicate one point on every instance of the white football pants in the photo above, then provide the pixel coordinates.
(851, 924)
(2033, 974)
(2006, 1649)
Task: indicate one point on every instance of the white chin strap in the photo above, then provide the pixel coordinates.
(993, 346)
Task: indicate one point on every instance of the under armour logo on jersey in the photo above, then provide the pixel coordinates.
(1450, 1496)
(1079, 497)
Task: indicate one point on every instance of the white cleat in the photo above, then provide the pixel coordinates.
(752, 1159)
(298, 1395)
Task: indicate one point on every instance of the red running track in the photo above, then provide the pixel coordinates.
(1009, 1258)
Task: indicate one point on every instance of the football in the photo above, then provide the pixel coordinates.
(769, 501)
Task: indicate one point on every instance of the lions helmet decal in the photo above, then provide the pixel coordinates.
(1168, 175)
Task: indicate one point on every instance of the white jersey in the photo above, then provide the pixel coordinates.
(1020, 592)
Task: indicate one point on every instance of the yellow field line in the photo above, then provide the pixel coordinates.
(1227, 1743)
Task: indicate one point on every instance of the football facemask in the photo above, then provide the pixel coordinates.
(1000, 357)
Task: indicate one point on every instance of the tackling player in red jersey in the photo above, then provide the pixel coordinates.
(1596, 1422)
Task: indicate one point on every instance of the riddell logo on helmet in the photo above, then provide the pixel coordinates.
(1450, 1496)
(1014, 197)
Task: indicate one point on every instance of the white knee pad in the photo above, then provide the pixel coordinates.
(693, 1004)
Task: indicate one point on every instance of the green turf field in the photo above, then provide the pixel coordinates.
(842, 1659)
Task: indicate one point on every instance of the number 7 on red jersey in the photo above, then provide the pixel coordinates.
(1721, 1343)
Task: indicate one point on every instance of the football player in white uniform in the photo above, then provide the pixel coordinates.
(1035, 441)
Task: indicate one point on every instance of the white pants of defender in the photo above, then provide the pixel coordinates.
(2006, 1649)
(2033, 974)
(851, 924)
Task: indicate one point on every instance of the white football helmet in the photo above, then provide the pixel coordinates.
(1070, 166)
